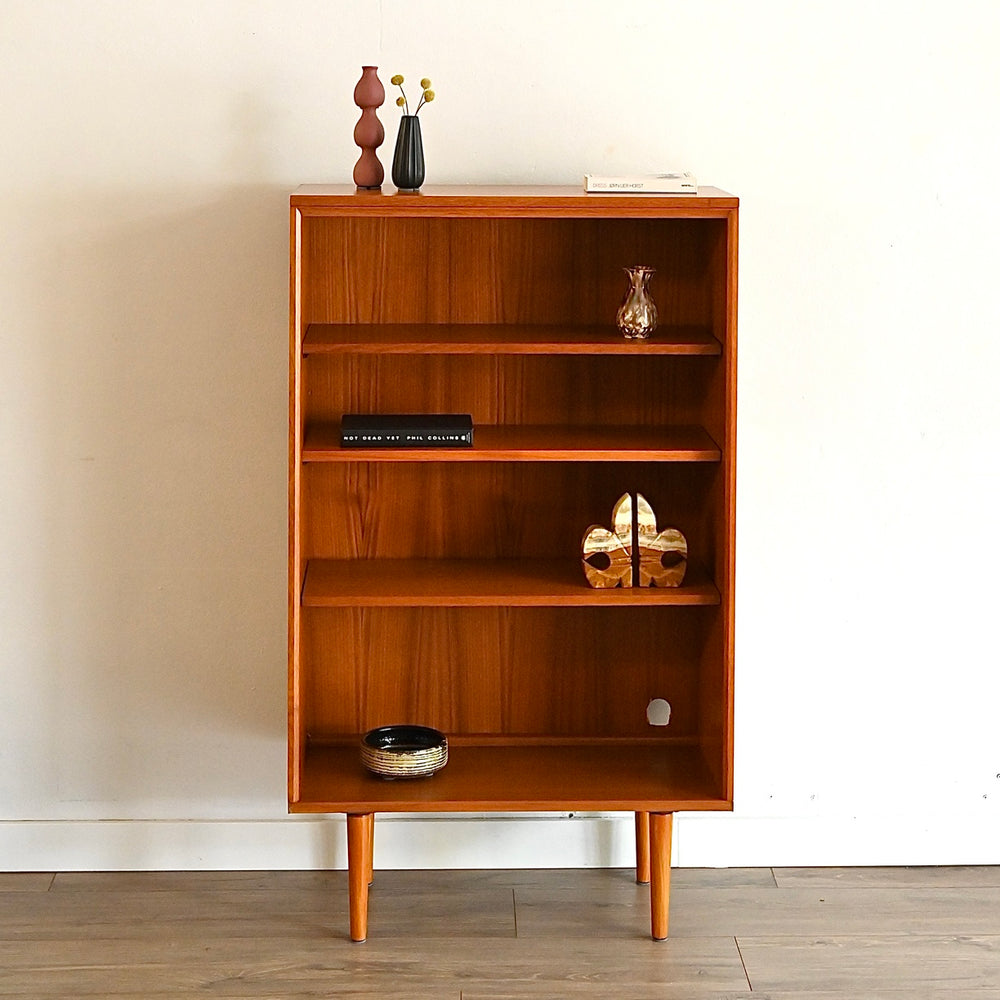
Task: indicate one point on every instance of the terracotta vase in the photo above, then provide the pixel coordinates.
(369, 94)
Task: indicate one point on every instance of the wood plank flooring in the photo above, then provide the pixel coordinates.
(736, 934)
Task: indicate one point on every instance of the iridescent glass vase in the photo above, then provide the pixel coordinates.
(636, 316)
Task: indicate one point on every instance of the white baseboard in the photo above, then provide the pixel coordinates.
(704, 840)
(541, 841)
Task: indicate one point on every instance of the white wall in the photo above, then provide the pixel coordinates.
(147, 153)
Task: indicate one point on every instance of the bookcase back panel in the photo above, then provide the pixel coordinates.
(410, 270)
(558, 390)
(504, 671)
(502, 510)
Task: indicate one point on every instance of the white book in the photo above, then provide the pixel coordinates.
(679, 182)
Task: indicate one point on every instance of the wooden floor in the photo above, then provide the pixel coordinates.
(736, 934)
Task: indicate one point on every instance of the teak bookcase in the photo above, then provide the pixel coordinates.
(444, 587)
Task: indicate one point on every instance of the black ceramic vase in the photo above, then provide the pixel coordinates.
(408, 160)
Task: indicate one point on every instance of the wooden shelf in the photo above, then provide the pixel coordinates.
(337, 583)
(457, 201)
(654, 775)
(532, 444)
(495, 338)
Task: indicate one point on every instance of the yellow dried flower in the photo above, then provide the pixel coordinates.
(401, 102)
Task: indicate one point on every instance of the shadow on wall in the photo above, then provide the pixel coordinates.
(162, 317)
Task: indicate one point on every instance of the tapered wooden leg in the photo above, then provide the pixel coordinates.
(642, 847)
(660, 829)
(359, 838)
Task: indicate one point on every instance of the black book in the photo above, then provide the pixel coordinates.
(406, 430)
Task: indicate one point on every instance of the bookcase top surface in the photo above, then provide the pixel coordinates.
(445, 199)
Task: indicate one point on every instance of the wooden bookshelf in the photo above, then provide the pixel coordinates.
(520, 778)
(334, 583)
(443, 587)
(498, 338)
(520, 443)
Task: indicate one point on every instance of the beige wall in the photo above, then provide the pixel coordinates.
(147, 153)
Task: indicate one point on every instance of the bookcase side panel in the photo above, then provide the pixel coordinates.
(296, 564)
(717, 702)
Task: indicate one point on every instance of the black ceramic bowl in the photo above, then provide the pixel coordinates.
(404, 751)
